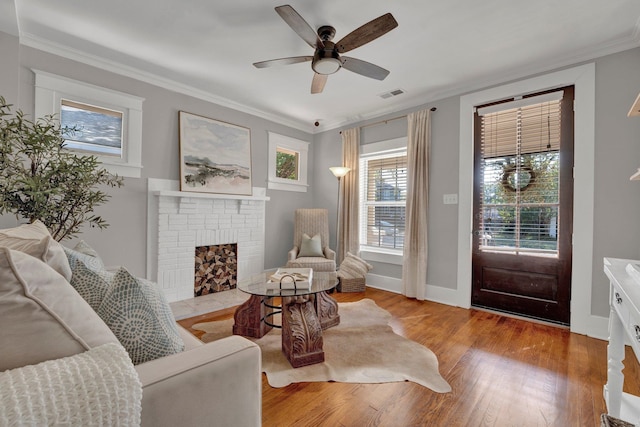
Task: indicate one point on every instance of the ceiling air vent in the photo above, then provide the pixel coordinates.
(395, 92)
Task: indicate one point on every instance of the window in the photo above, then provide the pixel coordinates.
(92, 129)
(519, 165)
(105, 123)
(383, 194)
(287, 163)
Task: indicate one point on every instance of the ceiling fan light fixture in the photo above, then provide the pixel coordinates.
(326, 65)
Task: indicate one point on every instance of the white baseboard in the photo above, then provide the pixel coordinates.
(434, 293)
(385, 283)
(597, 327)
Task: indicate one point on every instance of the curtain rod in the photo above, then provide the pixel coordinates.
(389, 120)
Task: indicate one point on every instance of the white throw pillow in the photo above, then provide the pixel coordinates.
(42, 316)
(28, 238)
(311, 246)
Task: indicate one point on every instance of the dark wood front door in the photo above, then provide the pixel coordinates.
(523, 206)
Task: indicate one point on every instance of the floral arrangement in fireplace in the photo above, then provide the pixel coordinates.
(216, 268)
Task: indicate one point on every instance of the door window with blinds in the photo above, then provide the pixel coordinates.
(519, 167)
(383, 194)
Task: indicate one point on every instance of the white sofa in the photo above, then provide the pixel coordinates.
(217, 383)
(45, 321)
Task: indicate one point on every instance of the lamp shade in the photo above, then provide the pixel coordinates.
(339, 171)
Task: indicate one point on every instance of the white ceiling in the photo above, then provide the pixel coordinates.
(441, 47)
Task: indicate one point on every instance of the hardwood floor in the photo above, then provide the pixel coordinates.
(503, 372)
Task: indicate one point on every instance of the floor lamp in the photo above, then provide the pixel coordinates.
(339, 172)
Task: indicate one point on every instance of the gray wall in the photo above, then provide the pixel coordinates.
(617, 200)
(617, 157)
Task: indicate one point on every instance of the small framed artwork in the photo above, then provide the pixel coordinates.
(215, 157)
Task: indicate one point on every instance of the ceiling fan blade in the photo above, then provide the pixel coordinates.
(369, 31)
(318, 82)
(364, 68)
(299, 25)
(282, 61)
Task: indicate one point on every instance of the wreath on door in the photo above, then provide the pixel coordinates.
(514, 178)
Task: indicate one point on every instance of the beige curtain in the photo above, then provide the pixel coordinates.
(348, 238)
(414, 266)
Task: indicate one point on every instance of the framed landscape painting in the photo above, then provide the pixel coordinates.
(215, 157)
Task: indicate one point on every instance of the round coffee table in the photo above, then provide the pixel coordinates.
(305, 311)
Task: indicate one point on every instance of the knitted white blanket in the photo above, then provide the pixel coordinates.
(99, 387)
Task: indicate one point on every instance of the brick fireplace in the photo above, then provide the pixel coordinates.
(178, 222)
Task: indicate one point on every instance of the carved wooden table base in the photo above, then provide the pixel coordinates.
(248, 318)
(303, 319)
(327, 310)
(301, 332)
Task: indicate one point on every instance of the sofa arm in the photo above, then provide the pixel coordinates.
(190, 341)
(217, 383)
(293, 253)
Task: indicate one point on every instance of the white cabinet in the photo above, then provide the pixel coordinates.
(624, 323)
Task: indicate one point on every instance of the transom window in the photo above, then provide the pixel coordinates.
(287, 163)
(105, 123)
(91, 129)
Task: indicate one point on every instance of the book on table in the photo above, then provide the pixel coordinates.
(291, 278)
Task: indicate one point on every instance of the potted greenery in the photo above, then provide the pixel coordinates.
(41, 180)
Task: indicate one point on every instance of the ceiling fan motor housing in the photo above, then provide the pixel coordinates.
(326, 60)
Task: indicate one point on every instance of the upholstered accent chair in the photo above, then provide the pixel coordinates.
(311, 241)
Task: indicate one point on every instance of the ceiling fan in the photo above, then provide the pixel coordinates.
(327, 59)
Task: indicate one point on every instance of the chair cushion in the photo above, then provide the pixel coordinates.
(140, 317)
(311, 246)
(353, 267)
(42, 316)
(28, 238)
(315, 263)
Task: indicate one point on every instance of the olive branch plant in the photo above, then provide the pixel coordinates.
(41, 180)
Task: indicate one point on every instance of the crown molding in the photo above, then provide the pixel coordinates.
(416, 101)
(35, 42)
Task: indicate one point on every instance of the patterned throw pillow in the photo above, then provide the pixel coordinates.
(353, 267)
(91, 285)
(84, 253)
(138, 314)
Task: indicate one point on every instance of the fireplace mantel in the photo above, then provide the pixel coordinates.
(188, 194)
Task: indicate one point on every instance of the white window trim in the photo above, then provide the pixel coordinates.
(51, 89)
(302, 147)
(371, 253)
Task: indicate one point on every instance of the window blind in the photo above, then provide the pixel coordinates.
(383, 197)
(519, 151)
